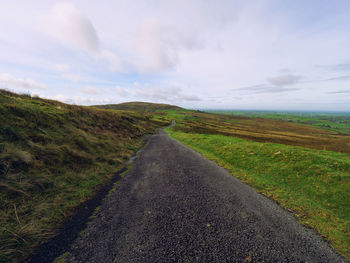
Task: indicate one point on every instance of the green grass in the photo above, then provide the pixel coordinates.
(259, 129)
(54, 156)
(313, 184)
(61, 258)
(335, 122)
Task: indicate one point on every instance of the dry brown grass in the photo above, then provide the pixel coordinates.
(266, 130)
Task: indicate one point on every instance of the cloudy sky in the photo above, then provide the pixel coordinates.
(248, 54)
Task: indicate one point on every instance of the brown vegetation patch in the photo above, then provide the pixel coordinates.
(266, 130)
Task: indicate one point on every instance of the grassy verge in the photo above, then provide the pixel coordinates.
(54, 156)
(313, 184)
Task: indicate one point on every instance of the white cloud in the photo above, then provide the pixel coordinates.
(72, 77)
(91, 90)
(8, 81)
(152, 93)
(67, 24)
(121, 91)
(113, 60)
(170, 93)
(160, 45)
(61, 67)
(71, 27)
(64, 69)
(78, 100)
(155, 46)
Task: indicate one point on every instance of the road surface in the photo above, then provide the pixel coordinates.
(176, 206)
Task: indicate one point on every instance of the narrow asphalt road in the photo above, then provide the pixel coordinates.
(176, 206)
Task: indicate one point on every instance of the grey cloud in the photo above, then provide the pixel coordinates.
(262, 88)
(188, 97)
(344, 66)
(284, 80)
(346, 77)
(253, 87)
(273, 89)
(339, 92)
(276, 84)
(336, 67)
(285, 70)
(216, 97)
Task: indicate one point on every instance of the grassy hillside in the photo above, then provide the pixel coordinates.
(139, 106)
(54, 156)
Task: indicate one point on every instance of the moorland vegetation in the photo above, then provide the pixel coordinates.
(53, 157)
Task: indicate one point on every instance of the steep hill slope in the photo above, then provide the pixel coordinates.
(139, 106)
(53, 156)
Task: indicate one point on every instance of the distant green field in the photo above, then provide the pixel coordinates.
(332, 121)
(313, 184)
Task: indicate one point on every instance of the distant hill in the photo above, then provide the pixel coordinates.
(139, 106)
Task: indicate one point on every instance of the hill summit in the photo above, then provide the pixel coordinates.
(139, 106)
